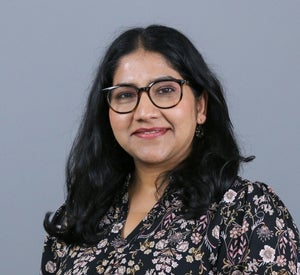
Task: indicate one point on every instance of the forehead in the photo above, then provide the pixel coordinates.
(141, 67)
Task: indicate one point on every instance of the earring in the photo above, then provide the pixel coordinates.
(199, 133)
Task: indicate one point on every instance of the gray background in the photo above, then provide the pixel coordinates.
(48, 54)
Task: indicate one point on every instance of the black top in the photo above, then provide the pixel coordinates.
(249, 231)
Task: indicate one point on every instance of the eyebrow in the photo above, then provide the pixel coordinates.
(168, 77)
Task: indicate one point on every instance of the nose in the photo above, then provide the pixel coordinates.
(145, 108)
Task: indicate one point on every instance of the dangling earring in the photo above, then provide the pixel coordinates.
(199, 133)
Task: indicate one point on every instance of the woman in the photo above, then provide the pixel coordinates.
(152, 177)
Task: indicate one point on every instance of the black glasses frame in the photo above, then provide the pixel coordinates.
(144, 89)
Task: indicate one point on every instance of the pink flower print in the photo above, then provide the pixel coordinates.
(196, 238)
(229, 196)
(267, 254)
(235, 232)
(281, 260)
(50, 267)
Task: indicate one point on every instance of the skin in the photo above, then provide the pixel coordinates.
(157, 139)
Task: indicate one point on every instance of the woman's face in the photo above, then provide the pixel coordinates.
(152, 136)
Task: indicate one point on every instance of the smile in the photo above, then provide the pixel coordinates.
(150, 133)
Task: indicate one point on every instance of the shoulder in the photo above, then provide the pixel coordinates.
(54, 245)
(253, 198)
(244, 187)
(53, 251)
(256, 193)
(254, 209)
(257, 230)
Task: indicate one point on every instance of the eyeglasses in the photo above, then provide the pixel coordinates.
(163, 93)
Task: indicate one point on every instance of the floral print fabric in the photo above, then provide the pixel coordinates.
(249, 231)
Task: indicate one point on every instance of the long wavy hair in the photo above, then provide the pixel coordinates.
(97, 166)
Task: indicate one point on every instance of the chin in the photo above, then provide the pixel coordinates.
(151, 160)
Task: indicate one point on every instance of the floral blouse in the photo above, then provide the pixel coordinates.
(249, 231)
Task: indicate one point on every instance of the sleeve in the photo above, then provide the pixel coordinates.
(51, 256)
(259, 235)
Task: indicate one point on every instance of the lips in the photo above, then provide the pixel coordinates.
(150, 132)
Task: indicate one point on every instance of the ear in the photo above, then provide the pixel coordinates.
(201, 105)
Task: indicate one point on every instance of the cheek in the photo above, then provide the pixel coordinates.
(186, 120)
(118, 123)
(186, 115)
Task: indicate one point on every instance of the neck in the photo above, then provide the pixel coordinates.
(147, 181)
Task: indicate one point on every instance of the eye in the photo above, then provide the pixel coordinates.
(123, 94)
(165, 88)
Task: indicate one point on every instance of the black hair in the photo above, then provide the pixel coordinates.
(97, 166)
